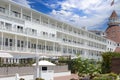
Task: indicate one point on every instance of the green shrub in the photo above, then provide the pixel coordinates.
(107, 58)
(113, 75)
(39, 79)
(110, 76)
(21, 79)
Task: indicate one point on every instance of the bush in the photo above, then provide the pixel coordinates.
(39, 79)
(110, 76)
(21, 79)
(107, 58)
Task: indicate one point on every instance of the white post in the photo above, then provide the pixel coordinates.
(36, 45)
(62, 26)
(54, 47)
(15, 42)
(9, 9)
(37, 62)
(49, 22)
(85, 53)
(62, 45)
(2, 42)
(40, 19)
(31, 16)
(56, 25)
(17, 76)
(45, 46)
(21, 13)
(27, 44)
(67, 50)
(37, 66)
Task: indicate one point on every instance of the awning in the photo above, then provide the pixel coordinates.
(5, 55)
(44, 63)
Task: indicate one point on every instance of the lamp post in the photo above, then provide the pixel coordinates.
(37, 65)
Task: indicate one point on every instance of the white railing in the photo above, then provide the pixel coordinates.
(5, 11)
(11, 48)
(5, 16)
(39, 35)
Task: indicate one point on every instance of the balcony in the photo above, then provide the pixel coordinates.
(114, 21)
(8, 48)
(4, 11)
(10, 29)
(29, 50)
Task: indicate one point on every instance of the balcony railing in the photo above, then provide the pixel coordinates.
(11, 48)
(24, 49)
(15, 30)
(114, 21)
(4, 11)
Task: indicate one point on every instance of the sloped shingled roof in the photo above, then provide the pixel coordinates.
(114, 14)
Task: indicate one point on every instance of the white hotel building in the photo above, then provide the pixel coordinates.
(25, 32)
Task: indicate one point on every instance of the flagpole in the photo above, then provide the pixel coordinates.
(113, 4)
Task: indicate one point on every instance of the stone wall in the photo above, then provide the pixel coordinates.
(10, 71)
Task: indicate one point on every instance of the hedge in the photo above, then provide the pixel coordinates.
(106, 63)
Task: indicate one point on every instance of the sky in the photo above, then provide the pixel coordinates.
(92, 14)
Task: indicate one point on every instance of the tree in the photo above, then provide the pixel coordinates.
(84, 66)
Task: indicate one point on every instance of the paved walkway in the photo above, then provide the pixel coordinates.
(75, 76)
(26, 77)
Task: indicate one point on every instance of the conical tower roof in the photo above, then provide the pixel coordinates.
(113, 27)
(114, 14)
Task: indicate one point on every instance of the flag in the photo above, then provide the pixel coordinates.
(112, 3)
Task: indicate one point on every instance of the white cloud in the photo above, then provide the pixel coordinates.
(89, 13)
(94, 12)
(25, 3)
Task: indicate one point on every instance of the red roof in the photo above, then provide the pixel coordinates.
(114, 14)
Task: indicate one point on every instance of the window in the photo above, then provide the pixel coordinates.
(43, 47)
(47, 47)
(34, 31)
(63, 39)
(69, 40)
(117, 44)
(22, 43)
(28, 44)
(8, 26)
(53, 35)
(45, 33)
(2, 9)
(19, 28)
(26, 17)
(34, 46)
(18, 43)
(1, 23)
(44, 68)
(39, 46)
(6, 41)
(10, 42)
(16, 14)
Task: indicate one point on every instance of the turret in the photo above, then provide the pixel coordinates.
(114, 19)
(113, 30)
